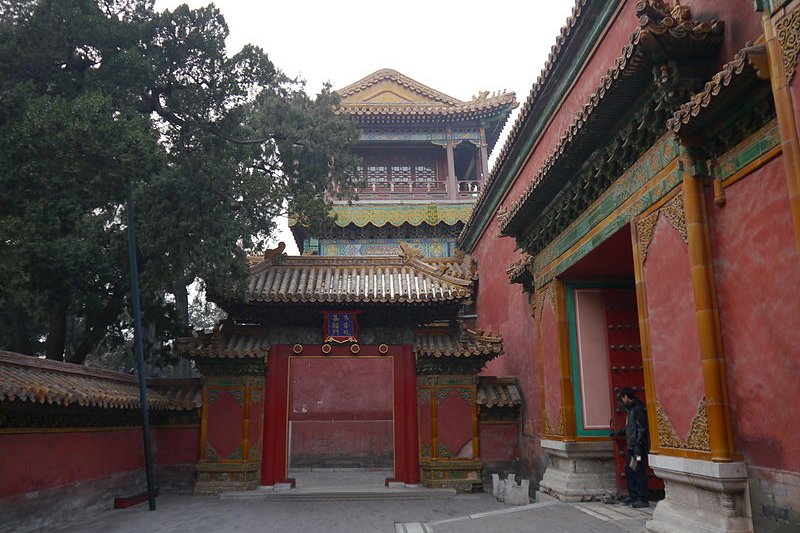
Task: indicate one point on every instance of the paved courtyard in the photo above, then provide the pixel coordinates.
(465, 513)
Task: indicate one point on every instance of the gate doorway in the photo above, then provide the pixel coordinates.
(340, 413)
(349, 407)
(605, 344)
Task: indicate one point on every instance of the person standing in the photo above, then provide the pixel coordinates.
(638, 445)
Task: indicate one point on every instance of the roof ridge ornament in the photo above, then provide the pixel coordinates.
(275, 255)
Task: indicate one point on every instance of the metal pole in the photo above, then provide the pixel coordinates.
(137, 335)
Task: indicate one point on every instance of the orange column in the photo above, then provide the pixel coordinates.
(784, 109)
(707, 314)
(567, 394)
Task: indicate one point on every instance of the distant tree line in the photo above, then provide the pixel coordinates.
(99, 96)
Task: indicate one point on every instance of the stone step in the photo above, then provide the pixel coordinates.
(345, 494)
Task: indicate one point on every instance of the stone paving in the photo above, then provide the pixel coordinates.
(392, 513)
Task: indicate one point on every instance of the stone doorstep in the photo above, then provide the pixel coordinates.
(579, 449)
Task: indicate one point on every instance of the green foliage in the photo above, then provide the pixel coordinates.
(97, 96)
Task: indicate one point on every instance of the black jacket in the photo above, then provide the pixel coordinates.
(636, 435)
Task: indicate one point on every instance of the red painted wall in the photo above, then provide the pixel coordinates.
(176, 445)
(503, 308)
(38, 461)
(674, 341)
(341, 411)
(499, 442)
(758, 278)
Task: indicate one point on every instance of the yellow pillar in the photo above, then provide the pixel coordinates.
(707, 314)
(786, 121)
(567, 390)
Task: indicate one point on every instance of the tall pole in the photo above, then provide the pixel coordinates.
(137, 336)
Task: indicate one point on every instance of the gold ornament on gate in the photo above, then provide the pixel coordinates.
(355, 348)
(326, 349)
(297, 348)
(383, 348)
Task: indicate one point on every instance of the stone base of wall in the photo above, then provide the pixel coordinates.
(216, 478)
(701, 497)
(578, 471)
(175, 479)
(69, 504)
(463, 476)
(774, 500)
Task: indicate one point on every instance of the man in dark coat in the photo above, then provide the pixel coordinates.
(638, 443)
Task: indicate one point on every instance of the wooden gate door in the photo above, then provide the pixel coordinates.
(625, 369)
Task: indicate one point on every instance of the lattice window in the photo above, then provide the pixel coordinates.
(377, 173)
(424, 173)
(401, 173)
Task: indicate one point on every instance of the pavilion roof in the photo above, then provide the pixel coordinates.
(389, 97)
(226, 341)
(738, 81)
(498, 392)
(456, 342)
(30, 379)
(408, 278)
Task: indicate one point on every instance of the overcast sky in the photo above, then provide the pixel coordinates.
(458, 48)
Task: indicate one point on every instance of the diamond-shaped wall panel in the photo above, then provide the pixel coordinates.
(225, 424)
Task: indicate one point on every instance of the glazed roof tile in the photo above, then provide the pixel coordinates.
(458, 342)
(498, 392)
(655, 19)
(407, 278)
(30, 379)
(617, 88)
(426, 106)
(525, 113)
(736, 79)
(352, 90)
(225, 341)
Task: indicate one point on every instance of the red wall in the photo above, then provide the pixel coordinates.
(341, 411)
(37, 461)
(757, 276)
(499, 442)
(674, 340)
(176, 445)
(503, 308)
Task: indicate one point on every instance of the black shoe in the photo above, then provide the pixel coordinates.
(638, 504)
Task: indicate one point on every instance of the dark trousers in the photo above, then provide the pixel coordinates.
(636, 479)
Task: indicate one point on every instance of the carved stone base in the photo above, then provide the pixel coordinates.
(216, 478)
(578, 471)
(701, 497)
(463, 476)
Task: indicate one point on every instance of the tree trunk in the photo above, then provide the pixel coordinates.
(57, 334)
(20, 339)
(182, 303)
(96, 327)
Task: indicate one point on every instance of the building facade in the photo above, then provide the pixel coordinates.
(355, 353)
(646, 207)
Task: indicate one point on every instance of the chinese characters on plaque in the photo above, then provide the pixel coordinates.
(340, 326)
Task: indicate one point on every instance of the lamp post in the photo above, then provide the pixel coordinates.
(137, 336)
